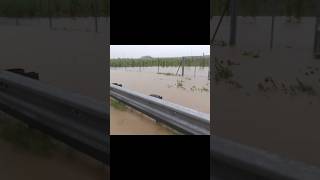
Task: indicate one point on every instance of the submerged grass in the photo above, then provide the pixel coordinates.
(118, 105)
(179, 83)
(167, 74)
(251, 54)
(28, 139)
(202, 89)
(223, 72)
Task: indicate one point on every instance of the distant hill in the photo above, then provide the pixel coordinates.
(146, 57)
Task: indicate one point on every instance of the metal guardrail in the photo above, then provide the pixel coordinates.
(235, 161)
(74, 119)
(180, 118)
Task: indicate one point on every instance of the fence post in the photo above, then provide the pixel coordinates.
(209, 68)
(272, 31)
(272, 25)
(316, 49)
(96, 15)
(50, 14)
(195, 68)
(158, 64)
(183, 59)
(233, 22)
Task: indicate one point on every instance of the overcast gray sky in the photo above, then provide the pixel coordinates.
(136, 51)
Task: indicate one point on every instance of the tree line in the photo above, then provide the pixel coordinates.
(162, 62)
(295, 8)
(58, 8)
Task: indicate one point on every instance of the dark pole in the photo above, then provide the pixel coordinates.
(233, 22)
(183, 59)
(317, 29)
(96, 15)
(273, 14)
(272, 31)
(209, 68)
(50, 13)
(108, 22)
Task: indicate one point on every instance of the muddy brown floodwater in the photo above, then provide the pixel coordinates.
(18, 164)
(283, 119)
(71, 58)
(186, 91)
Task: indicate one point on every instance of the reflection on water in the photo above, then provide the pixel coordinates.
(186, 91)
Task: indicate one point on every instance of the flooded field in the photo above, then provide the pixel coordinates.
(271, 100)
(70, 59)
(189, 91)
(17, 164)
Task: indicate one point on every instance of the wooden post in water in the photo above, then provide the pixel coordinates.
(316, 49)
(183, 59)
(233, 22)
(272, 31)
(195, 68)
(209, 68)
(158, 64)
(272, 25)
(50, 14)
(96, 7)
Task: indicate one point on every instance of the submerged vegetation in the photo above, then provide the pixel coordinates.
(222, 72)
(201, 61)
(117, 104)
(167, 74)
(26, 138)
(269, 84)
(179, 83)
(202, 89)
(252, 54)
